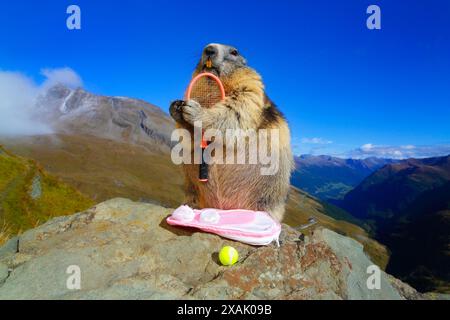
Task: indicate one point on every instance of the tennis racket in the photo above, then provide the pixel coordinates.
(207, 89)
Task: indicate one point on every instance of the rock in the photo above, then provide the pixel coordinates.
(10, 248)
(4, 273)
(126, 250)
(406, 290)
(36, 188)
(351, 254)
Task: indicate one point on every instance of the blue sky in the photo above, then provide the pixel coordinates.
(345, 90)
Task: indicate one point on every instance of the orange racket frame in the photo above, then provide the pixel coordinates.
(203, 168)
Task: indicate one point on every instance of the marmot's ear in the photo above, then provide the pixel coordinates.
(267, 101)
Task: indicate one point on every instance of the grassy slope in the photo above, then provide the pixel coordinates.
(18, 210)
(104, 169)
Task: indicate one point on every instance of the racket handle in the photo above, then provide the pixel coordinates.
(203, 169)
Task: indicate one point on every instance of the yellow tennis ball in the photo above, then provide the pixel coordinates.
(228, 256)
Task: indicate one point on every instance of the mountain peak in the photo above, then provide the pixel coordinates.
(77, 111)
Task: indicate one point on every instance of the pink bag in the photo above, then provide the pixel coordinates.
(247, 226)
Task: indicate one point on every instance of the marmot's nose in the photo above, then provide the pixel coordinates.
(210, 51)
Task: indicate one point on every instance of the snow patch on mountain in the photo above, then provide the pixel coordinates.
(63, 107)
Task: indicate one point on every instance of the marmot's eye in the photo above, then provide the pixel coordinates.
(234, 52)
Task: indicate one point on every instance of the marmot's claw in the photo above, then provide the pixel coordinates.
(176, 110)
(191, 111)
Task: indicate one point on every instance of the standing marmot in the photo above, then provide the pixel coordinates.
(236, 186)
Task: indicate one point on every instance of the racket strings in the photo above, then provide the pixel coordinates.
(206, 92)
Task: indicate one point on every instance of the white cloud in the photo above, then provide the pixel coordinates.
(313, 146)
(399, 152)
(316, 141)
(320, 146)
(367, 147)
(64, 76)
(18, 95)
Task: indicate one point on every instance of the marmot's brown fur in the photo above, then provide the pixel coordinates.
(236, 186)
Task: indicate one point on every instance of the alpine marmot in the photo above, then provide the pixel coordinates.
(246, 106)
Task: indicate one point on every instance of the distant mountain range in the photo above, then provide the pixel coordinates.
(407, 205)
(393, 188)
(329, 177)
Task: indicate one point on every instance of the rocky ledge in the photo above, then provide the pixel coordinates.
(121, 249)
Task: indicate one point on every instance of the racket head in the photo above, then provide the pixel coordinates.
(205, 88)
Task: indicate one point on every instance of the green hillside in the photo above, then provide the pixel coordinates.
(29, 196)
(407, 206)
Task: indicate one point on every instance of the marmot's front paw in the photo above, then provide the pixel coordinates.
(176, 110)
(192, 111)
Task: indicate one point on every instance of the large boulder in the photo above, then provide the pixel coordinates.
(126, 250)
